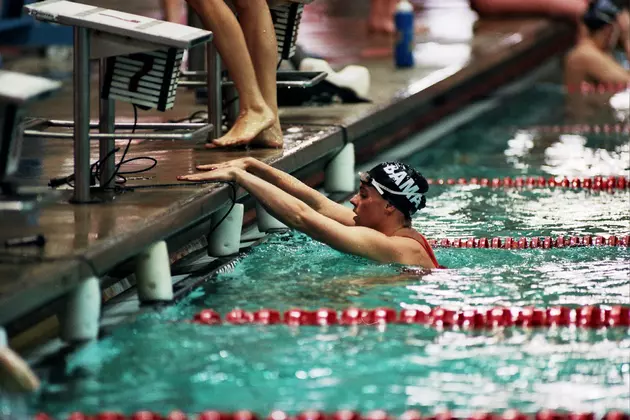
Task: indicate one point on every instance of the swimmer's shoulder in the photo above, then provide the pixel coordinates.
(422, 246)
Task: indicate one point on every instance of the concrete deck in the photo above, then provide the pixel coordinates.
(460, 58)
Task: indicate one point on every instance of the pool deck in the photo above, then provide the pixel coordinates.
(460, 59)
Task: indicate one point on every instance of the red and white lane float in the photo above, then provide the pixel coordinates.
(598, 183)
(599, 88)
(533, 243)
(557, 316)
(606, 129)
(341, 415)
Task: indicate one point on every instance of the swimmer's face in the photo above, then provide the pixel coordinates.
(369, 206)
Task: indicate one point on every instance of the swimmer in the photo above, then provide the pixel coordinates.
(591, 59)
(378, 227)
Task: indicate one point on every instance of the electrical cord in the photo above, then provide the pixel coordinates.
(95, 168)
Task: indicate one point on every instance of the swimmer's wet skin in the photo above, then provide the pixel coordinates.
(378, 228)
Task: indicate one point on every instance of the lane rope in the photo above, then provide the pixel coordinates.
(585, 88)
(342, 415)
(598, 183)
(532, 243)
(580, 129)
(559, 316)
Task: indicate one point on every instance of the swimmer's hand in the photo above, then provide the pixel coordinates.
(242, 163)
(223, 174)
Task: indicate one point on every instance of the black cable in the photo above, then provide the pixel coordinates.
(233, 185)
(95, 168)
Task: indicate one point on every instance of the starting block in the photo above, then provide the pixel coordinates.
(16, 92)
(139, 61)
(286, 16)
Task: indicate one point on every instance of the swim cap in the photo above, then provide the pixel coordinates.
(601, 13)
(401, 185)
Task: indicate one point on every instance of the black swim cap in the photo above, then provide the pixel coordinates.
(399, 184)
(601, 13)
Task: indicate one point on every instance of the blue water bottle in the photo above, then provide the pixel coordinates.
(405, 28)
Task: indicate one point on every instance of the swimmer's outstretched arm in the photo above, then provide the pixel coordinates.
(356, 240)
(594, 64)
(289, 184)
(623, 19)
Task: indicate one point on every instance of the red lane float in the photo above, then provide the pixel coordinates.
(528, 317)
(598, 183)
(597, 88)
(343, 415)
(608, 129)
(533, 243)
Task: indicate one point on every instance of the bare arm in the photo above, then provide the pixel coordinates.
(597, 65)
(355, 240)
(293, 186)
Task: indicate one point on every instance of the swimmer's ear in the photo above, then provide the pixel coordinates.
(389, 208)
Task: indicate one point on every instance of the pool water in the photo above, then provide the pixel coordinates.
(157, 362)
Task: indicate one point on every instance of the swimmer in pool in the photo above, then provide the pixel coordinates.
(378, 227)
(591, 59)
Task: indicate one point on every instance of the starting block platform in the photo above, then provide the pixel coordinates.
(112, 22)
(139, 61)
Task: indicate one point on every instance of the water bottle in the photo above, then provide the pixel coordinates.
(405, 28)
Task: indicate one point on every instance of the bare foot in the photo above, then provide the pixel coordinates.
(271, 138)
(248, 126)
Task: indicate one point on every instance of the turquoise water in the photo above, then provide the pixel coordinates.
(158, 363)
(262, 369)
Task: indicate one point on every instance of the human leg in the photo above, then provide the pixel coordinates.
(381, 17)
(255, 115)
(260, 36)
(171, 10)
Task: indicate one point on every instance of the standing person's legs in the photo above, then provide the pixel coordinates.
(260, 37)
(171, 10)
(381, 16)
(255, 115)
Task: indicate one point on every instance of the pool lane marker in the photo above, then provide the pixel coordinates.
(592, 317)
(341, 415)
(608, 129)
(598, 183)
(585, 88)
(533, 243)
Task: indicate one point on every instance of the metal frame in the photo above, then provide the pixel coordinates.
(96, 39)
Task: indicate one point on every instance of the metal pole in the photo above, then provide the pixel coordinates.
(106, 125)
(81, 80)
(233, 109)
(215, 105)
